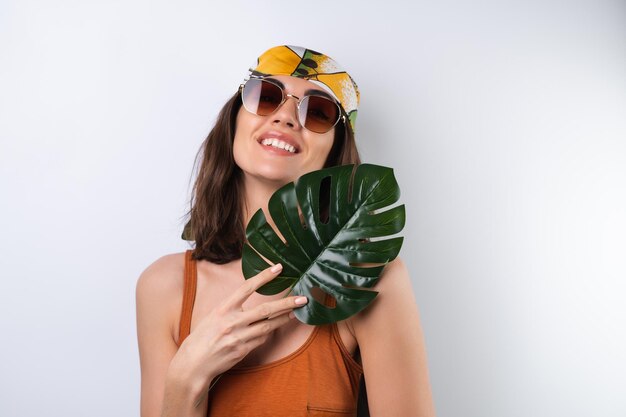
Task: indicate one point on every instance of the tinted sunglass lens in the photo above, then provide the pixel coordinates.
(261, 97)
(318, 114)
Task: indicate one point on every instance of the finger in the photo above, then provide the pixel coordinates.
(262, 329)
(252, 284)
(272, 309)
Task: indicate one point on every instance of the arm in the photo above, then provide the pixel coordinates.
(392, 347)
(158, 296)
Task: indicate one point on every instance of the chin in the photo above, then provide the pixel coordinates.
(274, 174)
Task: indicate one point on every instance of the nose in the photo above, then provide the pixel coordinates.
(287, 112)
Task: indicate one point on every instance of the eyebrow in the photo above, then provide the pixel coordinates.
(310, 92)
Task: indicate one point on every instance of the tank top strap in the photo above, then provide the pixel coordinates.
(189, 296)
(333, 337)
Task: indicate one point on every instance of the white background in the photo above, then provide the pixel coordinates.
(505, 123)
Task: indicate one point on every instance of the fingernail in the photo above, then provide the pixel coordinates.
(292, 315)
(276, 268)
(301, 300)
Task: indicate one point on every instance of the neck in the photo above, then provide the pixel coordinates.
(257, 193)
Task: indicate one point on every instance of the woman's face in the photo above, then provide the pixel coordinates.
(254, 135)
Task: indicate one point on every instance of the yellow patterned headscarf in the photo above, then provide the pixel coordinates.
(296, 61)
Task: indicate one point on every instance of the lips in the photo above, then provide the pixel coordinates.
(279, 141)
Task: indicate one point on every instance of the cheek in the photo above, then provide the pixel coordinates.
(241, 152)
(237, 151)
(239, 141)
(323, 148)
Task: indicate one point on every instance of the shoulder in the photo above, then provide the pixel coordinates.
(394, 275)
(395, 301)
(394, 282)
(159, 289)
(163, 275)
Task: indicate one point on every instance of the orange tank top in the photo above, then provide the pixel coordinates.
(319, 379)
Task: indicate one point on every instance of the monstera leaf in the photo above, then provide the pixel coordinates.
(333, 222)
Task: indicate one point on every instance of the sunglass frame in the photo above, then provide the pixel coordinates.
(340, 113)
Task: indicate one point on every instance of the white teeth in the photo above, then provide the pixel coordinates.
(278, 144)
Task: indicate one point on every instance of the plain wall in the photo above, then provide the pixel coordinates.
(505, 123)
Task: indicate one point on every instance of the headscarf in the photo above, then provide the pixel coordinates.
(296, 61)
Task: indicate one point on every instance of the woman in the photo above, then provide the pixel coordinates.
(232, 351)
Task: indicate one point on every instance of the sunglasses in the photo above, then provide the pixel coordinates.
(316, 113)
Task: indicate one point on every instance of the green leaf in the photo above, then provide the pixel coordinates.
(187, 232)
(327, 251)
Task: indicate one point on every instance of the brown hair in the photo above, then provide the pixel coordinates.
(216, 208)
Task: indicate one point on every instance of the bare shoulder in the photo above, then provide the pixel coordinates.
(162, 276)
(393, 282)
(395, 274)
(159, 293)
(395, 299)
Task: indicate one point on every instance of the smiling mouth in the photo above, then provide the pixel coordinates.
(278, 144)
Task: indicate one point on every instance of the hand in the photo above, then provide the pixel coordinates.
(228, 333)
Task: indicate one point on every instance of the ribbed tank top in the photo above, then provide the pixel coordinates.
(319, 379)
